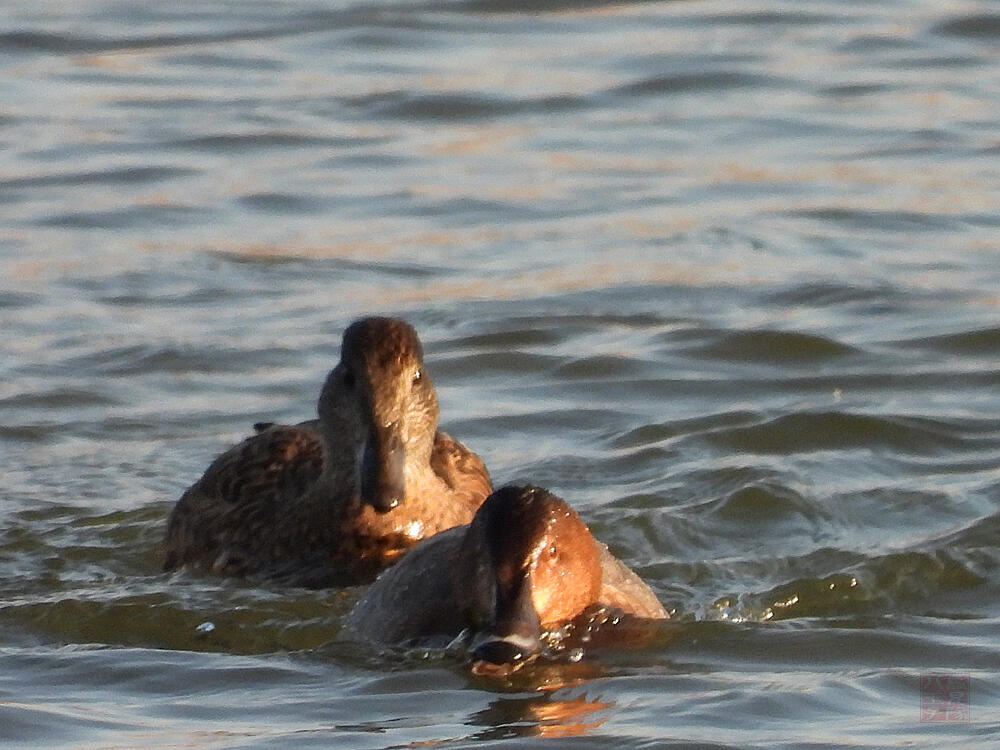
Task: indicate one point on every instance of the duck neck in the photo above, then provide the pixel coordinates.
(340, 463)
(340, 479)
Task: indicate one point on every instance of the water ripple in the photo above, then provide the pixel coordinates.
(136, 175)
(831, 430)
(770, 346)
(455, 105)
(693, 82)
(985, 27)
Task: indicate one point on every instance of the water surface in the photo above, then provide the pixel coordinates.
(723, 276)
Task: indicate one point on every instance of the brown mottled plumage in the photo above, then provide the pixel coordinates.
(525, 566)
(335, 500)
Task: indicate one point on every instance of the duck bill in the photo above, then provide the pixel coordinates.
(382, 477)
(513, 641)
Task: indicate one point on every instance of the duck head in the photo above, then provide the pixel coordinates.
(379, 400)
(532, 566)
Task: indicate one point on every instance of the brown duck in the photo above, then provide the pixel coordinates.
(337, 499)
(525, 567)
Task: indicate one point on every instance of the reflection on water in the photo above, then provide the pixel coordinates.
(723, 277)
(540, 715)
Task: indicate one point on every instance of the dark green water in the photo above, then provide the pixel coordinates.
(727, 278)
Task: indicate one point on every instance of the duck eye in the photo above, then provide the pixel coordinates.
(417, 377)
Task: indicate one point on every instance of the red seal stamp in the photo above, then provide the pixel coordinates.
(945, 697)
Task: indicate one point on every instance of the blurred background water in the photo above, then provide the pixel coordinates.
(724, 275)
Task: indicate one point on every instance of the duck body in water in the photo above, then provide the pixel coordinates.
(337, 499)
(525, 567)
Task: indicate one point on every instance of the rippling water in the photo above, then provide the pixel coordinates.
(723, 275)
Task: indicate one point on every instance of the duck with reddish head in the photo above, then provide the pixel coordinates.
(337, 499)
(523, 570)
